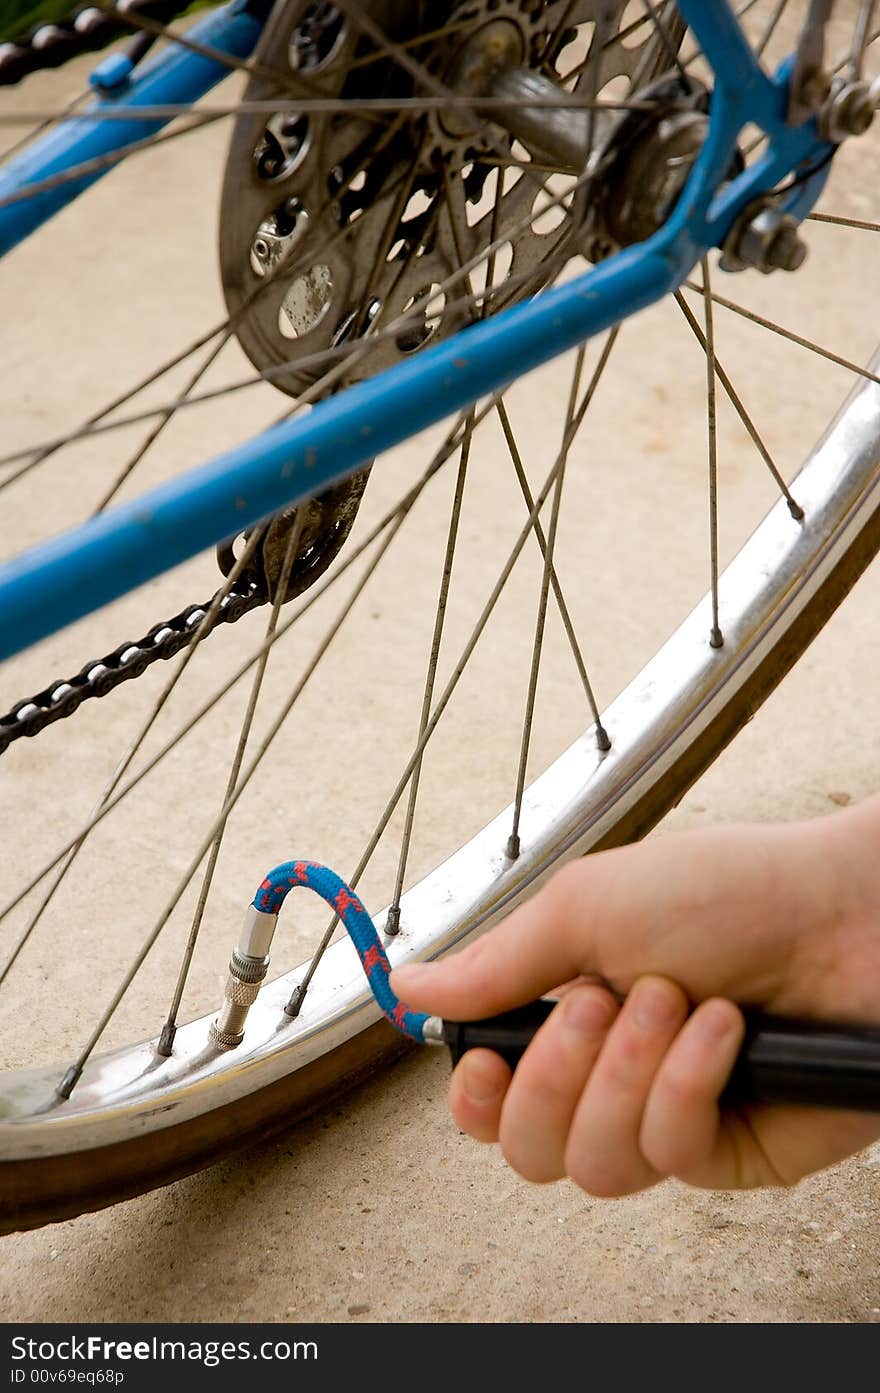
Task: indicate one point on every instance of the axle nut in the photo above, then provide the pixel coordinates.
(768, 241)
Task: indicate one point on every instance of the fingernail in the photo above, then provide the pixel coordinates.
(713, 1022)
(586, 1012)
(480, 1080)
(655, 1005)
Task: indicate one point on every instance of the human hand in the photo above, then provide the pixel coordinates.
(618, 1097)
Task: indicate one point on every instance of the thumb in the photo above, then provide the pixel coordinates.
(717, 911)
(531, 952)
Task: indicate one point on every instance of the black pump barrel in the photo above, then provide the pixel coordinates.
(781, 1061)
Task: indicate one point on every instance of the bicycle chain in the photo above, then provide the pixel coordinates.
(98, 677)
(89, 28)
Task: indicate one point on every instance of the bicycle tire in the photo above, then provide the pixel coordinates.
(41, 1184)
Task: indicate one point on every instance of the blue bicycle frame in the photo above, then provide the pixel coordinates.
(61, 580)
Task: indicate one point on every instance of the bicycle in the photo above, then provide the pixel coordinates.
(405, 201)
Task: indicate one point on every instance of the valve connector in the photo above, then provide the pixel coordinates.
(242, 990)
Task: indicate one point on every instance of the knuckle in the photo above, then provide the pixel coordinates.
(544, 1086)
(567, 889)
(623, 1061)
(478, 962)
(681, 1090)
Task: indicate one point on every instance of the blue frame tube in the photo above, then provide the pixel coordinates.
(83, 569)
(175, 76)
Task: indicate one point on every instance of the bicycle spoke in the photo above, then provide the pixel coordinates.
(789, 334)
(455, 213)
(844, 222)
(343, 355)
(92, 426)
(169, 1029)
(427, 36)
(697, 53)
(444, 94)
(47, 120)
(716, 638)
(216, 55)
(513, 841)
(294, 1005)
(770, 27)
(314, 106)
(166, 416)
(99, 163)
(794, 507)
(73, 1074)
(847, 57)
(444, 453)
(68, 857)
(669, 46)
(860, 39)
(603, 740)
(353, 352)
(392, 923)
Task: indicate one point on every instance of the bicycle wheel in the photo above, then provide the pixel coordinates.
(342, 243)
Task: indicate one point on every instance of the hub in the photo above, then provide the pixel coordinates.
(493, 50)
(645, 165)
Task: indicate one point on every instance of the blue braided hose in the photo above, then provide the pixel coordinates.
(274, 890)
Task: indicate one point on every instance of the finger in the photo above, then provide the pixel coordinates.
(476, 1093)
(714, 911)
(602, 1153)
(543, 942)
(549, 1081)
(680, 1130)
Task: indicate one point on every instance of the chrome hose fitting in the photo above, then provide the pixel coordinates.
(247, 968)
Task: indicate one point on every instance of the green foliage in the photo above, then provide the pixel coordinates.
(18, 17)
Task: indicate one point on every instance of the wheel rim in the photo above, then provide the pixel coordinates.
(133, 1093)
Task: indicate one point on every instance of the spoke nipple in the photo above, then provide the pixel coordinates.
(603, 739)
(69, 1082)
(716, 638)
(294, 1005)
(796, 510)
(165, 1044)
(512, 849)
(392, 922)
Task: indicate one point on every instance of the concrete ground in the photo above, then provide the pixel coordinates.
(377, 1209)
